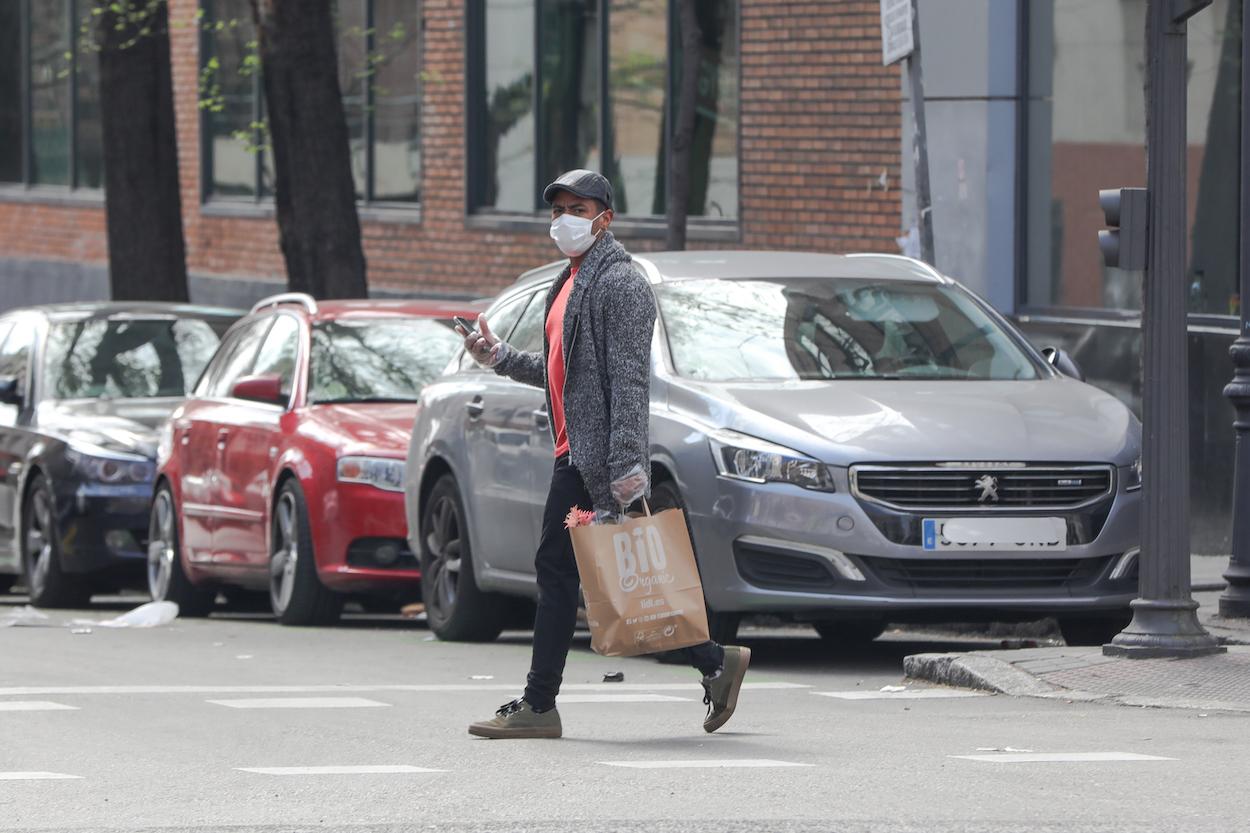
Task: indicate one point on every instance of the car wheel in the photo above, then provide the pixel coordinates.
(47, 584)
(457, 611)
(1092, 630)
(167, 577)
(722, 627)
(295, 592)
(847, 632)
(6, 583)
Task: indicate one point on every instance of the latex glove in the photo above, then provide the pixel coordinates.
(483, 345)
(629, 488)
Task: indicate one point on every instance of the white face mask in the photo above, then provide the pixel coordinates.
(573, 235)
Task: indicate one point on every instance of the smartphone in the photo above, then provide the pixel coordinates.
(464, 324)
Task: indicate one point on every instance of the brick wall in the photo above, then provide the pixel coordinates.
(819, 161)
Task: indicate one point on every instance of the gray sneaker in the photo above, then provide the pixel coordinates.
(721, 697)
(518, 720)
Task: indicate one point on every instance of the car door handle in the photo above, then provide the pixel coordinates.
(542, 419)
(475, 408)
(221, 439)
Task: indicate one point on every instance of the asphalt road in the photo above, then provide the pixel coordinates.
(222, 724)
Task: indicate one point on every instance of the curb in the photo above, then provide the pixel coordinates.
(987, 674)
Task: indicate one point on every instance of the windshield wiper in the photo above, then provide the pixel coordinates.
(365, 400)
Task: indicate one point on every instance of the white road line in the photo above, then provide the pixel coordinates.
(37, 776)
(1059, 757)
(910, 694)
(338, 770)
(621, 698)
(34, 706)
(302, 703)
(748, 763)
(428, 688)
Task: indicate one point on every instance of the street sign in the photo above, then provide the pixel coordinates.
(897, 41)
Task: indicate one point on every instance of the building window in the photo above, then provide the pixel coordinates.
(1080, 142)
(561, 84)
(379, 77)
(49, 96)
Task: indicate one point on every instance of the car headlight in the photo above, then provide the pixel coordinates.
(742, 457)
(1132, 476)
(100, 465)
(380, 472)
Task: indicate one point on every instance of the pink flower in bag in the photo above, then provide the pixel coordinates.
(579, 517)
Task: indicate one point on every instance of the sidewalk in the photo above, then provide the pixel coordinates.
(1220, 682)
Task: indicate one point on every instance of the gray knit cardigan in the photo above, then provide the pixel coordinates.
(608, 326)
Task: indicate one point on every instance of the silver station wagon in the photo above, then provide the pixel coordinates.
(855, 440)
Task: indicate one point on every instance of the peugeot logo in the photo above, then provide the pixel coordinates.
(988, 484)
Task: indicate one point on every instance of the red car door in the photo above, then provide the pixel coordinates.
(248, 447)
(195, 436)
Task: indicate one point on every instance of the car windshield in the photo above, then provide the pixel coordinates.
(128, 358)
(378, 360)
(813, 329)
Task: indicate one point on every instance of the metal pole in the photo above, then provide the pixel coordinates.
(1235, 600)
(920, 142)
(1165, 619)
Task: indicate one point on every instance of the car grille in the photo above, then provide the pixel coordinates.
(987, 573)
(771, 569)
(941, 487)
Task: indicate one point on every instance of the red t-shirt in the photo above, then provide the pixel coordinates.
(555, 363)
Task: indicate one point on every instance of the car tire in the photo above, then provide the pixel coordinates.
(6, 583)
(167, 575)
(722, 627)
(849, 632)
(46, 582)
(456, 610)
(1091, 630)
(296, 593)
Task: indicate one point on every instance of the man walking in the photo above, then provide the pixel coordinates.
(596, 369)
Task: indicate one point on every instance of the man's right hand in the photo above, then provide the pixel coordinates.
(483, 345)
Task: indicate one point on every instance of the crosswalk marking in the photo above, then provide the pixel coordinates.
(386, 769)
(302, 703)
(418, 688)
(703, 764)
(37, 776)
(1059, 757)
(621, 698)
(909, 694)
(34, 706)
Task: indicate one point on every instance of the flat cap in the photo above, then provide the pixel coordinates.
(581, 183)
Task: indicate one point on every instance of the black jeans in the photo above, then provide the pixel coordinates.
(557, 594)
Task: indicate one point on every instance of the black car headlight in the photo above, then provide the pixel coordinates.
(743, 457)
(100, 465)
(379, 472)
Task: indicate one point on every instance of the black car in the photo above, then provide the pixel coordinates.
(84, 390)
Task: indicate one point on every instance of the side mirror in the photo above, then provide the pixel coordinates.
(10, 391)
(266, 388)
(1064, 363)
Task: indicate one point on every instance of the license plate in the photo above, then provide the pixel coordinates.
(1000, 534)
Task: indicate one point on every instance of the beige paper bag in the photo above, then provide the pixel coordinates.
(641, 585)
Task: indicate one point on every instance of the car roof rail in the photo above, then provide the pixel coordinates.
(302, 298)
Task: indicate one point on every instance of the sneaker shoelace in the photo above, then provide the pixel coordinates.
(510, 708)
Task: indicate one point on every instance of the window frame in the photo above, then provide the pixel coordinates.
(260, 203)
(635, 225)
(73, 192)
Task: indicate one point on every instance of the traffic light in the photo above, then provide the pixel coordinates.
(1123, 242)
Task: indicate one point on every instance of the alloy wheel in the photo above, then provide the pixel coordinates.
(444, 545)
(161, 550)
(39, 541)
(285, 558)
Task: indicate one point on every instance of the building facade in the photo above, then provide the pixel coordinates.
(461, 110)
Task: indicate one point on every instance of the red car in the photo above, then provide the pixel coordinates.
(284, 470)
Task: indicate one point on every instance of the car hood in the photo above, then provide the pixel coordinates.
(844, 422)
(120, 425)
(367, 427)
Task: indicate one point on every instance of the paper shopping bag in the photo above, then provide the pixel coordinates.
(641, 585)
